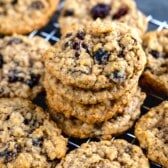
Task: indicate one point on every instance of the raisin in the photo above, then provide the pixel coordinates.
(76, 45)
(121, 52)
(77, 54)
(101, 56)
(117, 77)
(13, 77)
(10, 155)
(37, 5)
(14, 2)
(121, 12)
(68, 35)
(81, 35)
(101, 10)
(67, 44)
(156, 54)
(68, 12)
(27, 121)
(14, 40)
(1, 61)
(38, 142)
(86, 47)
(33, 81)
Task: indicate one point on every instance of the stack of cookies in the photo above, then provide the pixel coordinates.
(92, 77)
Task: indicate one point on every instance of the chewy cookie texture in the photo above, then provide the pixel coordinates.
(24, 16)
(21, 66)
(152, 133)
(155, 76)
(105, 154)
(103, 61)
(119, 123)
(78, 13)
(28, 139)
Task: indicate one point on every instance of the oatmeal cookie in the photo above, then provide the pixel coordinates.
(105, 154)
(103, 55)
(21, 66)
(28, 138)
(90, 114)
(118, 124)
(155, 75)
(24, 16)
(77, 13)
(152, 133)
(82, 96)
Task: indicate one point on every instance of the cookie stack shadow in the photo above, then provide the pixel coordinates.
(91, 80)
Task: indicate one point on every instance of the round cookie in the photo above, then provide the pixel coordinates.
(77, 13)
(155, 76)
(21, 66)
(152, 133)
(24, 16)
(82, 96)
(118, 124)
(28, 138)
(108, 154)
(103, 55)
(94, 113)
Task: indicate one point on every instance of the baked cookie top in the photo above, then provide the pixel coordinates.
(103, 55)
(156, 47)
(24, 16)
(77, 13)
(118, 124)
(21, 66)
(108, 154)
(28, 137)
(152, 133)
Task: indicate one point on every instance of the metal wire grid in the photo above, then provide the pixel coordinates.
(51, 33)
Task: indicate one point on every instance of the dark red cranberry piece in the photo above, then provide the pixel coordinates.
(33, 81)
(121, 12)
(76, 45)
(68, 12)
(38, 142)
(101, 56)
(117, 77)
(101, 10)
(14, 40)
(156, 54)
(37, 5)
(81, 35)
(1, 61)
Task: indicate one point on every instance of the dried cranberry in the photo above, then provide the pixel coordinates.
(33, 81)
(101, 56)
(156, 54)
(14, 40)
(81, 35)
(101, 10)
(68, 12)
(76, 45)
(1, 61)
(37, 5)
(121, 12)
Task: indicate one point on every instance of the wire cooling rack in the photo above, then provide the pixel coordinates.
(51, 33)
